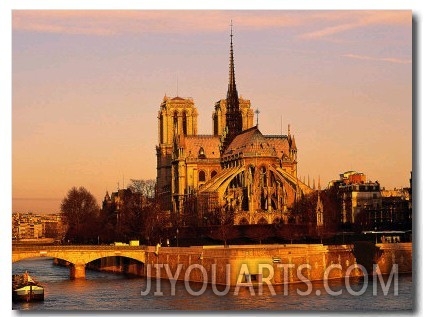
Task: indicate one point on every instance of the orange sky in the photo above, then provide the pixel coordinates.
(87, 85)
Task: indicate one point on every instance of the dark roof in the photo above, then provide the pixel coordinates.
(177, 98)
(209, 143)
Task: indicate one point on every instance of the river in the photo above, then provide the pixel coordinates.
(114, 292)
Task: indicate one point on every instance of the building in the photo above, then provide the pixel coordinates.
(358, 196)
(235, 171)
(396, 209)
(368, 206)
(32, 226)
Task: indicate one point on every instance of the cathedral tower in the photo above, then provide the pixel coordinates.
(233, 107)
(177, 117)
(234, 122)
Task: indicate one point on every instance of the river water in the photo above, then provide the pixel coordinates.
(114, 292)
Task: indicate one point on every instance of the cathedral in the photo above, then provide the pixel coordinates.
(236, 170)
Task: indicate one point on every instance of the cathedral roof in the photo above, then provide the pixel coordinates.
(280, 143)
(177, 98)
(208, 143)
(253, 142)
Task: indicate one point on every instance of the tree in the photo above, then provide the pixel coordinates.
(259, 232)
(154, 223)
(131, 213)
(146, 187)
(223, 219)
(80, 213)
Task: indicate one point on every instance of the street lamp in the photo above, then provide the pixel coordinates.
(375, 235)
(177, 236)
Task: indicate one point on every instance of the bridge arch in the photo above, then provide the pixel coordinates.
(78, 256)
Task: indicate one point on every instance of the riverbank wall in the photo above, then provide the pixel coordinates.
(400, 254)
(276, 264)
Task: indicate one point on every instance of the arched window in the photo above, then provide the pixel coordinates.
(243, 221)
(277, 221)
(161, 128)
(202, 176)
(263, 177)
(175, 121)
(185, 123)
(215, 124)
(213, 173)
(262, 221)
(202, 153)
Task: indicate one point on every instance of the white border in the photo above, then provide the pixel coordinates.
(5, 91)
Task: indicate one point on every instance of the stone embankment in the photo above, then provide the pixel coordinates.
(276, 264)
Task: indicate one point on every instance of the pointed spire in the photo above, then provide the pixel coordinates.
(289, 137)
(232, 89)
(293, 143)
(233, 115)
(257, 112)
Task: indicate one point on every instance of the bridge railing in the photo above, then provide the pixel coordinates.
(75, 247)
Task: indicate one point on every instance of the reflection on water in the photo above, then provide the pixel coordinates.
(106, 291)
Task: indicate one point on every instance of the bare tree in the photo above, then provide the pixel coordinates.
(80, 213)
(154, 223)
(259, 232)
(223, 218)
(146, 187)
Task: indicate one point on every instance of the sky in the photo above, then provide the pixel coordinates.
(86, 86)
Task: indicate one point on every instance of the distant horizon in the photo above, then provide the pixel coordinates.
(87, 86)
(100, 203)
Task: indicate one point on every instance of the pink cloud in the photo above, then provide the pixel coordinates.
(110, 22)
(105, 23)
(350, 20)
(380, 59)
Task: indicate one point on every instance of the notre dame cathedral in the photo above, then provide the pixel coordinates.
(235, 170)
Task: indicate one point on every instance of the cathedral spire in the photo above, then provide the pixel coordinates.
(233, 115)
(232, 89)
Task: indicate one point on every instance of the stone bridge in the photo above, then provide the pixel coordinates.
(79, 255)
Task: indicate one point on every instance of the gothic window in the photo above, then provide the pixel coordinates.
(243, 221)
(263, 176)
(175, 120)
(262, 221)
(202, 176)
(185, 123)
(319, 220)
(161, 128)
(215, 124)
(202, 153)
(277, 221)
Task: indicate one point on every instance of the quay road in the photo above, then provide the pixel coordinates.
(78, 255)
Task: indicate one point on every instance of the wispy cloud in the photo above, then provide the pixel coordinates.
(309, 24)
(105, 23)
(379, 59)
(350, 20)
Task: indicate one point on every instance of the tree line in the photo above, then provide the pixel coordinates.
(134, 213)
(128, 214)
